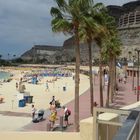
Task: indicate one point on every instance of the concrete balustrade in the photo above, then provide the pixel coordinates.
(106, 132)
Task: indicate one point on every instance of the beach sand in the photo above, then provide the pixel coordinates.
(13, 123)
(41, 97)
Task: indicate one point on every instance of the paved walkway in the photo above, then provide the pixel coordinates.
(124, 97)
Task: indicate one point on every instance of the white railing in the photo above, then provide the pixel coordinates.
(130, 129)
(127, 124)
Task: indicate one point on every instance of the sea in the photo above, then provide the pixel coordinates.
(4, 75)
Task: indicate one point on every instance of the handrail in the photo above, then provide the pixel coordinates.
(130, 128)
(97, 120)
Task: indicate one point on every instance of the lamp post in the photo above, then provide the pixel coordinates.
(125, 64)
(138, 52)
(133, 74)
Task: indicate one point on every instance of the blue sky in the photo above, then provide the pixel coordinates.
(24, 23)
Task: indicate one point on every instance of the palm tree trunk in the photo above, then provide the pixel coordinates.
(101, 74)
(108, 87)
(91, 78)
(113, 79)
(111, 87)
(115, 75)
(77, 79)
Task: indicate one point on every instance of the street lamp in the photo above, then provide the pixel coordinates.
(138, 52)
(133, 74)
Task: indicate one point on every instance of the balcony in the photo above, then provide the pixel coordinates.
(130, 20)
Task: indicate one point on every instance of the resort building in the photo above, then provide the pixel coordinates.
(128, 23)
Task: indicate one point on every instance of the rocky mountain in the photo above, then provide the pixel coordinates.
(128, 22)
(47, 54)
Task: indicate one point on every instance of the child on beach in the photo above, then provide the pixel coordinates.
(47, 86)
(52, 103)
(33, 111)
(16, 85)
(53, 99)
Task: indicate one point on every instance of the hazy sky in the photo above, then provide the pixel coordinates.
(24, 23)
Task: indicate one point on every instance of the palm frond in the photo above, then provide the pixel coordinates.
(61, 25)
(62, 5)
(99, 6)
(55, 12)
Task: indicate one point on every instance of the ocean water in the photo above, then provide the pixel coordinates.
(4, 75)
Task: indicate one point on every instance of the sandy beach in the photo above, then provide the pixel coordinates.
(41, 96)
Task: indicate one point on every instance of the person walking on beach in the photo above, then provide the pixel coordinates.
(52, 102)
(16, 85)
(47, 86)
(33, 111)
(67, 113)
(124, 80)
(53, 117)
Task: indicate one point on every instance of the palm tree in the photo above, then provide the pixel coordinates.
(108, 29)
(98, 41)
(112, 50)
(67, 18)
(88, 30)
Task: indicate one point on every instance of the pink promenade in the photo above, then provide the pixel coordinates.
(124, 97)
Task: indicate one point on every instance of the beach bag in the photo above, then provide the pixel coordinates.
(68, 112)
